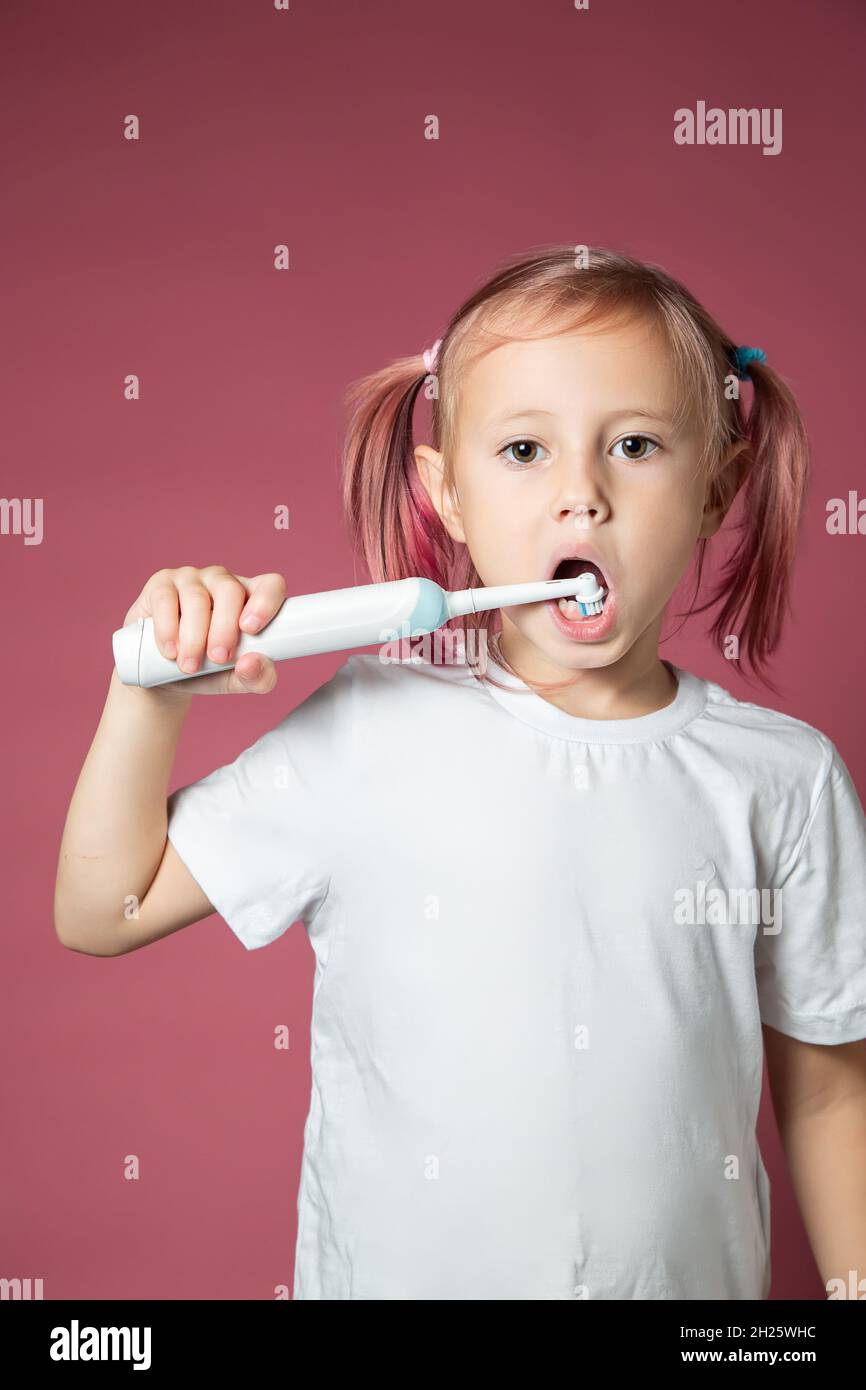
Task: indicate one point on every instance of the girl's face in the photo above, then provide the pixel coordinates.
(565, 446)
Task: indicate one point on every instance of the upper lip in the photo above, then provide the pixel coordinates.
(579, 550)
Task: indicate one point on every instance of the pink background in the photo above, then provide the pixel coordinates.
(155, 257)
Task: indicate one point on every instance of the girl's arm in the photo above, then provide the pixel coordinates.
(120, 883)
(819, 1098)
(114, 846)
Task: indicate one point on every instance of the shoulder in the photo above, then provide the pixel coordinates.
(777, 748)
(373, 673)
(408, 699)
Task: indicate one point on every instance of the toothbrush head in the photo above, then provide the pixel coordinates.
(587, 587)
(589, 593)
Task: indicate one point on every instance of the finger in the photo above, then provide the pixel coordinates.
(163, 602)
(258, 676)
(229, 597)
(195, 611)
(267, 594)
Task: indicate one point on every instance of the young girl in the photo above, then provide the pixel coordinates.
(554, 888)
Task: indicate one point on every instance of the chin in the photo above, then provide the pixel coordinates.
(540, 639)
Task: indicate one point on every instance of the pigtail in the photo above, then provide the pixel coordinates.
(756, 580)
(392, 522)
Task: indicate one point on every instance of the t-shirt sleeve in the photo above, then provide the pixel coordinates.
(258, 834)
(811, 973)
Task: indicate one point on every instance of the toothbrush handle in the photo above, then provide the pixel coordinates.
(306, 624)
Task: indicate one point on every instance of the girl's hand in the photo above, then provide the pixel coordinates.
(198, 612)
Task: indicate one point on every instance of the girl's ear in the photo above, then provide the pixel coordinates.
(724, 487)
(431, 470)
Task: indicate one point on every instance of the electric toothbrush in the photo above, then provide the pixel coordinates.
(307, 624)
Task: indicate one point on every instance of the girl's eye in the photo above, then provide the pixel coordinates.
(635, 446)
(521, 462)
(633, 442)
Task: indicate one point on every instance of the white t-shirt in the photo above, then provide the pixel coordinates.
(544, 948)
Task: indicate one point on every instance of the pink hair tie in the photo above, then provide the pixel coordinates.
(431, 355)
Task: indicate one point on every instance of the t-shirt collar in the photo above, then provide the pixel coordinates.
(521, 701)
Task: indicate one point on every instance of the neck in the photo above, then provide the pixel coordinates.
(636, 684)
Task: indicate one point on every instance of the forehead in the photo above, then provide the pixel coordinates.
(597, 368)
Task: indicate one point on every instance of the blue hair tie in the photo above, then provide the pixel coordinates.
(743, 356)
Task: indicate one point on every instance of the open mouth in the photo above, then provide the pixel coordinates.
(570, 608)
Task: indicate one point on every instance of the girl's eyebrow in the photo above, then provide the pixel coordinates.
(644, 414)
(638, 410)
(519, 415)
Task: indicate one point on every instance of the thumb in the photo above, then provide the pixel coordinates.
(253, 674)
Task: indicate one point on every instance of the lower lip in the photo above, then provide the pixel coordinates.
(592, 629)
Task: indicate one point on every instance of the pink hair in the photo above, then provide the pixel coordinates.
(395, 528)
